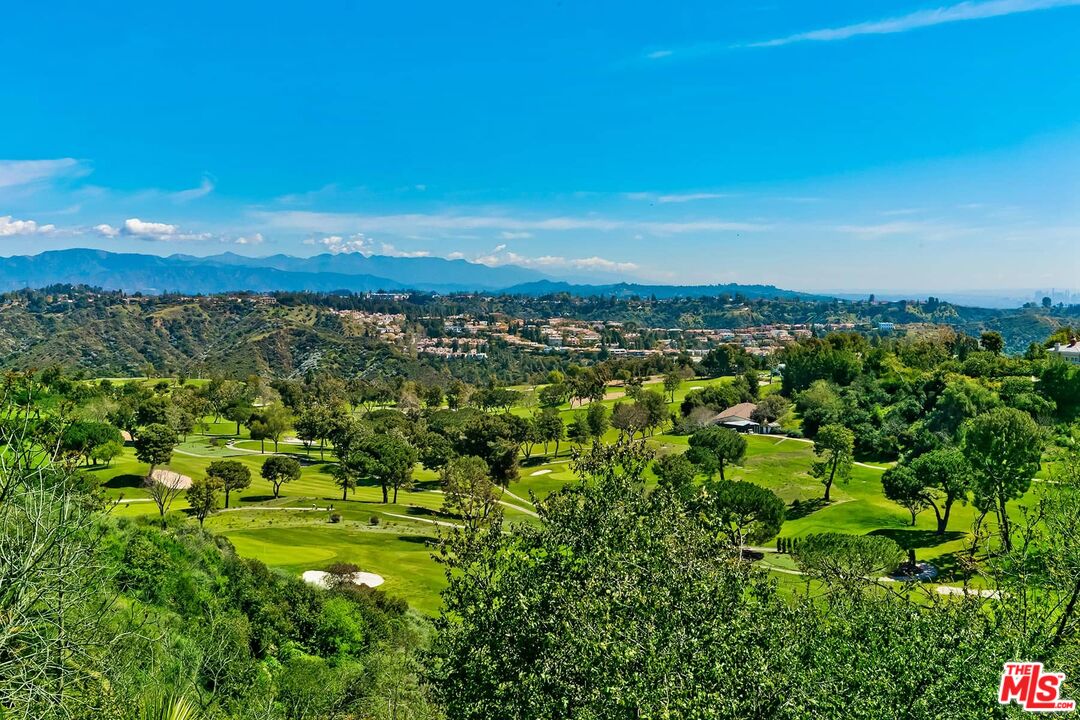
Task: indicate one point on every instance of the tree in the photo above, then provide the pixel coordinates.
(553, 395)
(847, 559)
(835, 445)
(272, 422)
(492, 398)
(345, 477)
(314, 423)
(163, 488)
(598, 419)
(202, 497)
(239, 411)
(676, 474)
(654, 407)
(468, 491)
(713, 448)
(577, 654)
(278, 470)
(726, 360)
(154, 445)
(388, 459)
(492, 438)
(587, 386)
(742, 511)
(629, 418)
(901, 485)
(81, 438)
(221, 393)
(946, 477)
(1004, 449)
(433, 396)
(992, 342)
(107, 452)
(56, 572)
(770, 409)
(672, 380)
(230, 475)
(578, 431)
(457, 395)
(369, 394)
(549, 428)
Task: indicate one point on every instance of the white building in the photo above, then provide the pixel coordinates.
(1069, 353)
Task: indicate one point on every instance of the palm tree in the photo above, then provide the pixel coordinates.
(170, 707)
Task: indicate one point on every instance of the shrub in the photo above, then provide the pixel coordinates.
(335, 517)
(373, 520)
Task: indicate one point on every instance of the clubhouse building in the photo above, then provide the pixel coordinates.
(739, 417)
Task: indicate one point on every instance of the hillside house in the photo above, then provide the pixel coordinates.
(1069, 353)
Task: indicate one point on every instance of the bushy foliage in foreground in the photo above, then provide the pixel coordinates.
(102, 618)
(623, 604)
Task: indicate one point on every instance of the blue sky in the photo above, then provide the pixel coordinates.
(842, 145)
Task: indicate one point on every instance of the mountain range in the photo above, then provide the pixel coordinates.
(228, 272)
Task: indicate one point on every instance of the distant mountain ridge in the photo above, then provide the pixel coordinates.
(228, 272)
(624, 290)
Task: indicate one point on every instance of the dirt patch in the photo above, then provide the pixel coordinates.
(172, 479)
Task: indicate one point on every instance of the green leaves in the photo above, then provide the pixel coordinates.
(170, 707)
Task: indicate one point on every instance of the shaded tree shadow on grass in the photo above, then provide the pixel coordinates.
(422, 511)
(256, 498)
(952, 567)
(421, 485)
(124, 481)
(804, 507)
(418, 539)
(915, 539)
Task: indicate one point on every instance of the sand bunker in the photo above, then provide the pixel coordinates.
(539, 472)
(172, 479)
(319, 577)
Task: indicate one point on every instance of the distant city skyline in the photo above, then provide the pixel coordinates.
(903, 147)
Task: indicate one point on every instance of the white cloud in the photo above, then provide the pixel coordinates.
(508, 235)
(254, 239)
(500, 255)
(205, 188)
(919, 19)
(406, 224)
(157, 231)
(106, 230)
(26, 172)
(135, 226)
(360, 243)
(10, 226)
(921, 230)
(388, 249)
(958, 12)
